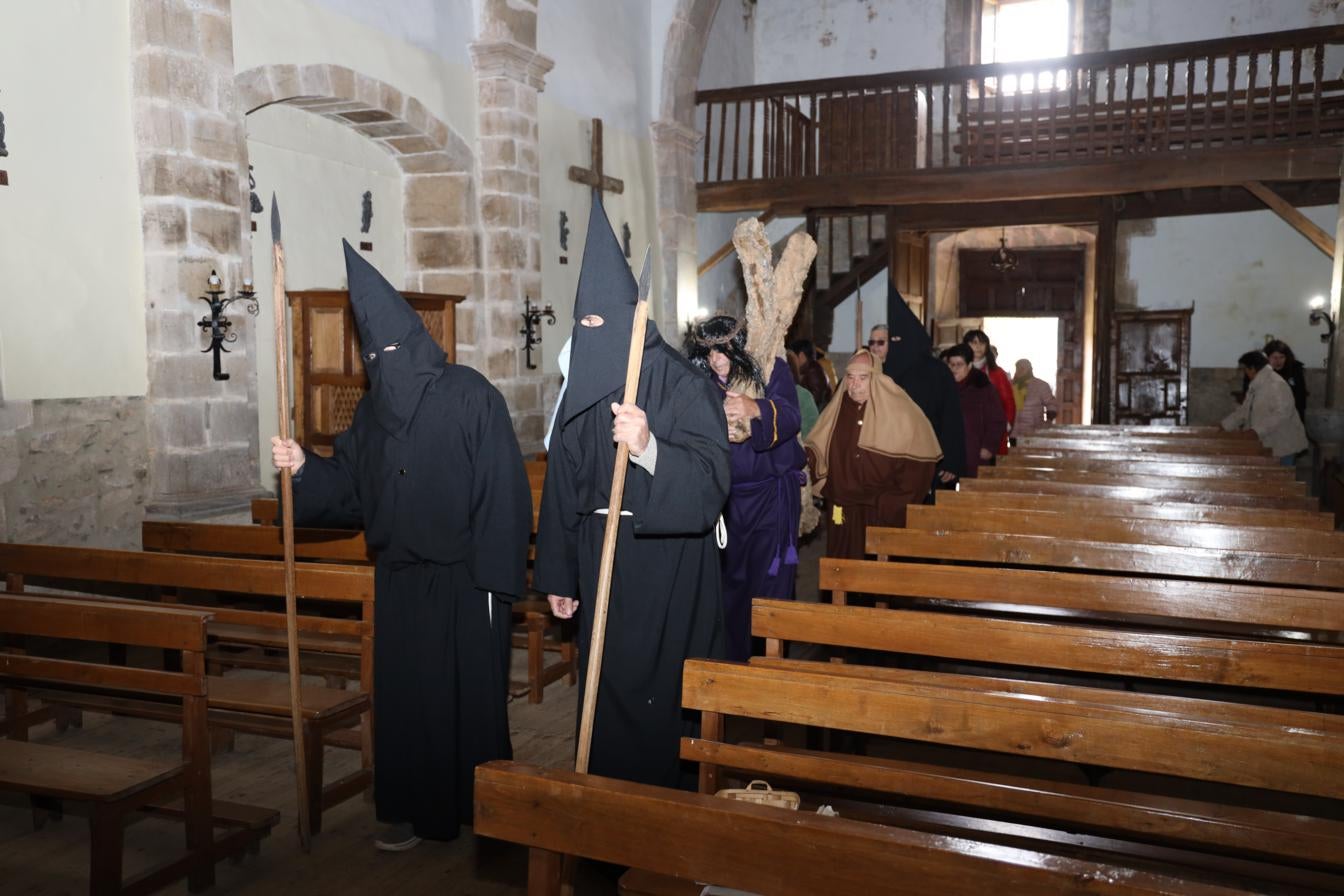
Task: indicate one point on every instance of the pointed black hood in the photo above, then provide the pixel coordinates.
(397, 378)
(909, 344)
(608, 289)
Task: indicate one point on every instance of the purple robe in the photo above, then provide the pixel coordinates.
(761, 559)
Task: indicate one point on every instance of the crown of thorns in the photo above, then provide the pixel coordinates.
(713, 341)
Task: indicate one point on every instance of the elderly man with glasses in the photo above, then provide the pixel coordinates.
(879, 339)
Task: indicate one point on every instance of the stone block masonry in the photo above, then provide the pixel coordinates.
(74, 471)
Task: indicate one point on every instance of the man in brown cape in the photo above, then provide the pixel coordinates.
(871, 454)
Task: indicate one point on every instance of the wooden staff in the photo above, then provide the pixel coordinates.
(287, 526)
(603, 596)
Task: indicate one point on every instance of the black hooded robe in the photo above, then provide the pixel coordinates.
(445, 503)
(665, 601)
(910, 362)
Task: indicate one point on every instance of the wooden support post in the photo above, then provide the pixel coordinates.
(1334, 371)
(1288, 212)
(1103, 312)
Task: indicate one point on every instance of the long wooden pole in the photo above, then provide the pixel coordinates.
(287, 527)
(603, 596)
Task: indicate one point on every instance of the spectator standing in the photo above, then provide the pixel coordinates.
(986, 361)
(981, 409)
(1269, 410)
(1034, 398)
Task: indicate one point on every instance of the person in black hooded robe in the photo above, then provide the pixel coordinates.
(430, 468)
(665, 603)
(927, 380)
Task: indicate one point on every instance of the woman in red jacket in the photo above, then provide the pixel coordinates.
(981, 410)
(986, 362)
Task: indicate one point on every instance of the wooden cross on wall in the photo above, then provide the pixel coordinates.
(594, 177)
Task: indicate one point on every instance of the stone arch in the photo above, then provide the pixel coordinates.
(674, 140)
(437, 166)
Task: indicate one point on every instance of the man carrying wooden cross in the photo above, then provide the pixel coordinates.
(665, 601)
(430, 468)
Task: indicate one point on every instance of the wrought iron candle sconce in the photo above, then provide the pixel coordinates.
(217, 325)
(531, 331)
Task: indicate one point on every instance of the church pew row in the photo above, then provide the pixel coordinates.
(1077, 553)
(1156, 493)
(1082, 430)
(1117, 453)
(258, 706)
(1117, 529)
(1145, 445)
(540, 633)
(1266, 488)
(1213, 745)
(117, 787)
(1084, 507)
(762, 849)
(1140, 469)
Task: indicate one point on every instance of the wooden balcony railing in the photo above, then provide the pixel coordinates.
(1267, 89)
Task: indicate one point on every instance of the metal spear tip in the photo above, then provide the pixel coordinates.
(275, 219)
(646, 275)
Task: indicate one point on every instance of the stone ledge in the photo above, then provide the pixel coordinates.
(510, 59)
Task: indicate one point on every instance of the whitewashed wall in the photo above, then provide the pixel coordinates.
(1249, 276)
(799, 39)
(321, 170)
(72, 276)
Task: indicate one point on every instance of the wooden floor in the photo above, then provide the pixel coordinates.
(54, 860)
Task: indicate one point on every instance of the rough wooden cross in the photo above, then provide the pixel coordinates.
(594, 177)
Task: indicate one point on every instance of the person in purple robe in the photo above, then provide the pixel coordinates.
(760, 558)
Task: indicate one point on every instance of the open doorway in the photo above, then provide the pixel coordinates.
(1033, 338)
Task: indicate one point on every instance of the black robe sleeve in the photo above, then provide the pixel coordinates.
(501, 503)
(690, 482)
(556, 568)
(326, 494)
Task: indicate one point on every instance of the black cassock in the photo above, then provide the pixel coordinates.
(665, 595)
(446, 505)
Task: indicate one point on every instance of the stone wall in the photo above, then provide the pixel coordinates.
(509, 75)
(74, 471)
(192, 157)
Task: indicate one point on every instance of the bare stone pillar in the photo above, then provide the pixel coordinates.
(509, 75)
(674, 157)
(190, 148)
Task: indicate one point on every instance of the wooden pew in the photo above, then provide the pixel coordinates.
(116, 787)
(1149, 445)
(1085, 430)
(1119, 475)
(1119, 530)
(1203, 741)
(759, 848)
(1117, 453)
(252, 706)
(541, 634)
(1143, 469)
(1152, 494)
(1094, 507)
(1077, 553)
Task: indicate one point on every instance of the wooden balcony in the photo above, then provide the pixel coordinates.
(1266, 107)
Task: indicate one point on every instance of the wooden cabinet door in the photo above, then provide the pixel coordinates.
(329, 374)
(1150, 358)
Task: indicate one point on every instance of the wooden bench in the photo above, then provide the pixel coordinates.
(1078, 553)
(1144, 445)
(1118, 454)
(1143, 469)
(116, 786)
(1130, 493)
(540, 632)
(250, 705)
(760, 849)
(1246, 487)
(1085, 430)
(1167, 510)
(1119, 530)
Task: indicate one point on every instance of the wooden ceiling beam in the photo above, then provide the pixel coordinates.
(1169, 171)
(1298, 221)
